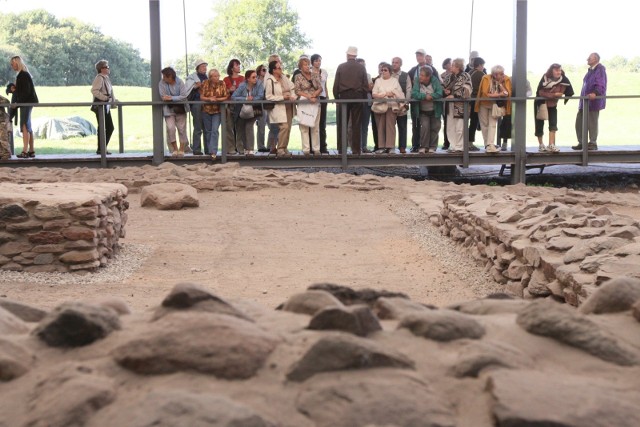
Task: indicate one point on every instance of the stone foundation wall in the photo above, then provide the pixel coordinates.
(542, 248)
(61, 227)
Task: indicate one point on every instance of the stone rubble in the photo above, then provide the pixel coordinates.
(207, 361)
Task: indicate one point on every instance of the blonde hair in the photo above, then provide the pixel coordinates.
(21, 65)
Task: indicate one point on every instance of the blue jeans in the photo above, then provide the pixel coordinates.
(211, 132)
(196, 116)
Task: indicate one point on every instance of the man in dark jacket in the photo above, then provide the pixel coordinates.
(350, 83)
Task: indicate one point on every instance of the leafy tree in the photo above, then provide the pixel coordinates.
(63, 52)
(251, 30)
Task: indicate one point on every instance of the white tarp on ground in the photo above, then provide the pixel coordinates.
(55, 128)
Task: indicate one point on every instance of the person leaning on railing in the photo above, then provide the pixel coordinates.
(249, 90)
(174, 91)
(494, 85)
(429, 91)
(457, 85)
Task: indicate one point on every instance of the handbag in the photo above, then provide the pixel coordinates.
(380, 107)
(543, 112)
(496, 111)
(94, 107)
(246, 112)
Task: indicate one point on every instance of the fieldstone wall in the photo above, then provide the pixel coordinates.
(565, 247)
(61, 227)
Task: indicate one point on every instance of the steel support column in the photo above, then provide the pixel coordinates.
(519, 80)
(156, 66)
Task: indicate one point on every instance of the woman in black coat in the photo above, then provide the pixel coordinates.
(25, 93)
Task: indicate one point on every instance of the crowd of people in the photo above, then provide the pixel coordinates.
(431, 99)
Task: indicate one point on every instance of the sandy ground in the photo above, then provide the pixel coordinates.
(267, 245)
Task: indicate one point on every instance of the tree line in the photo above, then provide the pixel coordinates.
(62, 52)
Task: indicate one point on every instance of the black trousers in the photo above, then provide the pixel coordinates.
(108, 126)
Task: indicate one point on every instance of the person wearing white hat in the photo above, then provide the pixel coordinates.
(350, 83)
(193, 83)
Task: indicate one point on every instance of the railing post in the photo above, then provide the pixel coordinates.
(585, 131)
(465, 134)
(519, 79)
(344, 123)
(223, 132)
(120, 130)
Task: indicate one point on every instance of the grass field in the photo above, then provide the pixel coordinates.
(618, 123)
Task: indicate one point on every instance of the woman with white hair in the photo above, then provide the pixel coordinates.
(102, 91)
(25, 93)
(457, 85)
(494, 85)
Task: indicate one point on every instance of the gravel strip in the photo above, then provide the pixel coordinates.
(451, 256)
(124, 264)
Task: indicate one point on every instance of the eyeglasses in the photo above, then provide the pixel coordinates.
(253, 77)
(263, 71)
(107, 67)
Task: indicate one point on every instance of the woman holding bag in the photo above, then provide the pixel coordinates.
(308, 87)
(387, 88)
(102, 91)
(174, 92)
(494, 85)
(250, 89)
(553, 86)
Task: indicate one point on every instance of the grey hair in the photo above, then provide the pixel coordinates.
(497, 69)
(101, 64)
(458, 62)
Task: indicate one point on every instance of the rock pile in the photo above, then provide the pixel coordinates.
(541, 247)
(320, 360)
(67, 227)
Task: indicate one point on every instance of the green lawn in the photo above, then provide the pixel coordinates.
(618, 123)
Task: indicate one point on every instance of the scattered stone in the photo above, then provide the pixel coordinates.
(341, 352)
(24, 312)
(15, 360)
(75, 324)
(388, 398)
(614, 296)
(530, 398)
(358, 320)
(477, 356)
(443, 325)
(310, 302)
(11, 324)
(349, 296)
(559, 322)
(490, 306)
(209, 343)
(189, 296)
(69, 396)
(180, 408)
(169, 196)
(395, 307)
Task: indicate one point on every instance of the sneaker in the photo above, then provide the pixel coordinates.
(474, 148)
(187, 149)
(491, 148)
(414, 150)
(213, 157)
(451, 150)
(592, 146)
(542, 148)
(503, 147)
(577, 147)
(432, 150)
(263, 150)
(318, 153)
(380, 151)
(196, 152)
(404, 151)
(248, 152)
(553, 149)
(422, 150)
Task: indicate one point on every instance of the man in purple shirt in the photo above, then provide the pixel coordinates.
(594, 84)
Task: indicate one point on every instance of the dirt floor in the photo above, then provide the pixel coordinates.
(267, 245)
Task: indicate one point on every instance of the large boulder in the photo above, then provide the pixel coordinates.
(358, 320)
(614, 296)
(442, 325)
(169, 196)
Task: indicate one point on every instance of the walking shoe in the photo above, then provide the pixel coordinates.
(213, 157)
(414, 150)
(404, 151)
(553, 149)
(491, 148)
(248, 152)
(577, 147)
(592, 146)
(187, 149)
(422, 150)
(263, 150)
(543, 149)
(380, 151)
(504, 147)
(197, 153)
(474, 148)
(273, 151)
